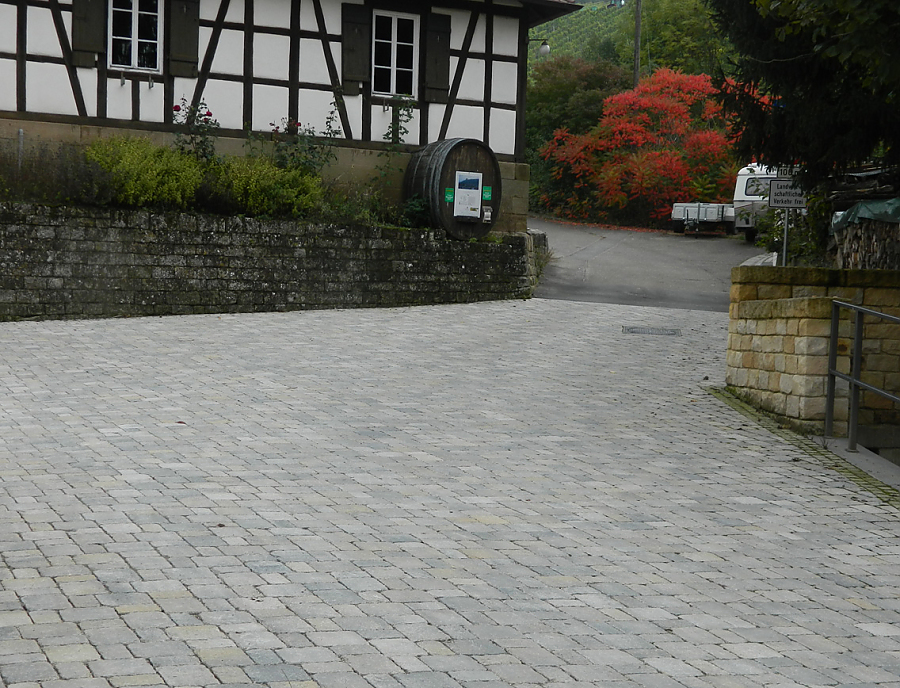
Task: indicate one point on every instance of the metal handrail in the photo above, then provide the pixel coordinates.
(853, 378)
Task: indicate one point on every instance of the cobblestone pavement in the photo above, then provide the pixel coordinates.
(503, 494)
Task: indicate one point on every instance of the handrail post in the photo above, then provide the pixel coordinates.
(854, 387)
(832, 365)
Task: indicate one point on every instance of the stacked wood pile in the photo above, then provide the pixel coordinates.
(869, 245)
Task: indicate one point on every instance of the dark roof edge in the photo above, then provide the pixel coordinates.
(541, 11)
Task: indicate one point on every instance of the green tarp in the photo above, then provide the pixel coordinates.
(884, 211)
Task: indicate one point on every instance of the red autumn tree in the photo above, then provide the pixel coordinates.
(661, 143)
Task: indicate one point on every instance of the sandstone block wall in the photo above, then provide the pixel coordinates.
(779, 329)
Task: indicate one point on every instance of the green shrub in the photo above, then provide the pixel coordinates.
(52, 174)
(256, 186)
(143, 174)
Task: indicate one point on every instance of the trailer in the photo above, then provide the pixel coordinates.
(751, 191)
(703, 217)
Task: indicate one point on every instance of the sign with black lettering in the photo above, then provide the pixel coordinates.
(783, 194)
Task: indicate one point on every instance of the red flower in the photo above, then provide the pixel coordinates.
(176, 108)
(208, 114)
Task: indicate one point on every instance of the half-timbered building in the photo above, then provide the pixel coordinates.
(69, 69)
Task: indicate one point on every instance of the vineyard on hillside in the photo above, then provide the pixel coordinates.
(589, 33)
(678, 34)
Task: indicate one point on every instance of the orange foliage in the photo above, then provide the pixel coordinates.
(655, 145)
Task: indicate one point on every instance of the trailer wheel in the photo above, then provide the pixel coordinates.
(750, 234)
(677, 226)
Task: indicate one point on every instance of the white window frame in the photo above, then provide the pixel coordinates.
(135, 39)
(394, 17)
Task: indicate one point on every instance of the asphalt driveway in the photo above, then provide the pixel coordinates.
(660, 269)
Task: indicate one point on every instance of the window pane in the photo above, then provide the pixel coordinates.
(756, 187)
(382, 80)
(147, 55)
(147, 25)
(122, 4)
(148, 6)
(404, 82)
(121, 24)
(121, 53)
(405, 30)
(383, 28)
(383, 54)
(404, 57)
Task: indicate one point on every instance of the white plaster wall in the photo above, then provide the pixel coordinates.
(209, 9)
(271, 56)
(314, 109)
(466, 122)
(313, 67)
(235, 11)
(472, 85)
(8, 79)
(225, 100)
(270, 104)
(272, 13)
(183, 88)
(459, 24)
(118, 99)
(503, 131)
(8, 29)
(41, 32)
(506, 36)
(308, 16)
(203, 37)
(331, 11)
(435, 118)
(505, 83)
(381, 120)
(47, 89)
(87, 77)
(229, 58)
(152, 102)
(354, 115)
(478, 38)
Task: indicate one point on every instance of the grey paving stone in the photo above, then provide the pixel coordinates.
(485, 495)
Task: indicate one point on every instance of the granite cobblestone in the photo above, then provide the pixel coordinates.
(510, 494)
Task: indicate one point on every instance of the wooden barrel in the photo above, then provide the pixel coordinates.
(459, 179)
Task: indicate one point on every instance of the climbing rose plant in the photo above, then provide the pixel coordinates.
(660, 143)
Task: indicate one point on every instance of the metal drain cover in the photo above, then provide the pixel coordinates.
(651, 330)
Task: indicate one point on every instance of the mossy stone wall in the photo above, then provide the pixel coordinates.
(76, 263)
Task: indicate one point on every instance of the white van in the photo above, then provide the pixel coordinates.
(751, 197)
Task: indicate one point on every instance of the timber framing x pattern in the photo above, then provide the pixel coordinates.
(460, 64)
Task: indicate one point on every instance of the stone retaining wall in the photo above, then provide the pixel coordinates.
(73, 263)
(778, 345)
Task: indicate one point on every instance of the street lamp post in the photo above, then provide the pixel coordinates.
(637, 42)
(637, 35)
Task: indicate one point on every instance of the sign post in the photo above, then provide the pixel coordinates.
(783, 194)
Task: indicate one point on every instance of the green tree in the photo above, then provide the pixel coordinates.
(814, 83)
(678, 34)
(565, 93)
(568, 93)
